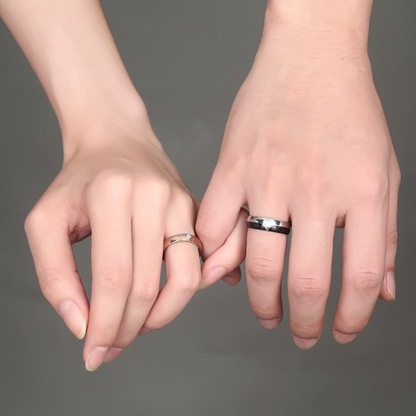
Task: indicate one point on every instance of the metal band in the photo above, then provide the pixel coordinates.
(183, 238)
(268, 224)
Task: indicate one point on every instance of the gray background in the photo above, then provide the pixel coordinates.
(188, 59)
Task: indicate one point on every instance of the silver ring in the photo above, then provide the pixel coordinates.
(183, 238)
(268, 224)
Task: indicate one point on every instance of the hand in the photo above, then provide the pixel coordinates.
(307, 141)
(126, 193)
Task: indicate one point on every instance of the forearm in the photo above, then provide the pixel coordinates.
(71, 49)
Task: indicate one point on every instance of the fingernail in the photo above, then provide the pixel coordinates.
(211, 276)
(269, 323)
(304, 343)
(71, 314)
(232, 281)
(95, 358)
(344, 338)
(113, 354)
(144, 331)
(391, 284)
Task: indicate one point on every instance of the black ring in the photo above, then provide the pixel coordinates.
(267, 224)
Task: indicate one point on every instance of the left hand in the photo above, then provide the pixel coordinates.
(306, 141)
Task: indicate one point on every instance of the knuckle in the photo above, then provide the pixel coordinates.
(398, 176)
(187, 284)
(114, 184)
(156, 187)
(395, 171)
(36, 218)
(184, 200)
(264, 311)
(304, 330)
(374, 188)
(348, 325)
(262, 270)
(50, 283)
(367, 281)
(308, 288)
(392, 238)
(115, 279)
(144, 293)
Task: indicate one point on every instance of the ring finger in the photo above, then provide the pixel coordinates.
(264, 268)
(183, 273)
(309, 275)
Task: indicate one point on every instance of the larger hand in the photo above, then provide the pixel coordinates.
(307, 141)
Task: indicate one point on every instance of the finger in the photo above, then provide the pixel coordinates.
(363, 270)
(219, 211)
(183, 274)
(264, 268)
(309, 275)
(147, 261)
(233, 278)
(388, 289)
(56, 268)
(182, 266)
(111, 258)
(225, 261)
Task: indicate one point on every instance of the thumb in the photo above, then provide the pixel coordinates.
(224, 263)
(218, 216)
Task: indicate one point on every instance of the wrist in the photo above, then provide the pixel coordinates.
(109, 124)
(319, 27)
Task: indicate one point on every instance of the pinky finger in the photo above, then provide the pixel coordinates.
(388, 289)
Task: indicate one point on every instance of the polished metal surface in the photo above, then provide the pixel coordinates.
(268, 224)
(183, 238)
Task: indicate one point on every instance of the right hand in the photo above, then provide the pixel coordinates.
(124, 191)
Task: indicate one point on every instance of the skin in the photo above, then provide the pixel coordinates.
(116, 184)
(307, 141)
(307, 122)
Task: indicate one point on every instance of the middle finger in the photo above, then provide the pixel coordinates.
(309, 274)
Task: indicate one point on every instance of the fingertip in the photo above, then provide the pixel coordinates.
(391, 284)
(230, 280)
(342, 338)
(96, 358)
(304, 343)
(388, 290)
(72, 316)
(270, 323)
(233, 278)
